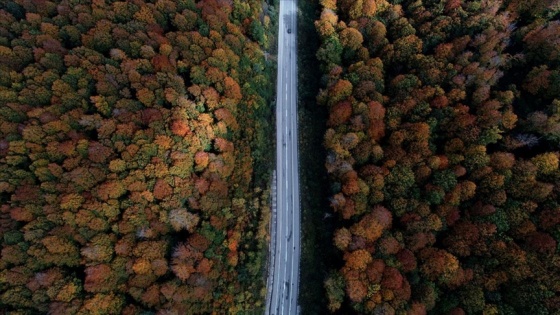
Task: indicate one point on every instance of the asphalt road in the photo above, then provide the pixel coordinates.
(284, 268)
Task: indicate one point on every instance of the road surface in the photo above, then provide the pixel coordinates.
(283, 283)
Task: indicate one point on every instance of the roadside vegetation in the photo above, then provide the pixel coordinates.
(316, 240)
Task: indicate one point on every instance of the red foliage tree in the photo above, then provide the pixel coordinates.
(541, 243)
(162, 189)
(340, 113)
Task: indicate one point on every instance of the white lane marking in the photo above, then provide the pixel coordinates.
(294, 156)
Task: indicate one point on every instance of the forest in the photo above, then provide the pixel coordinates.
(134, 155)
(136, 149)
(443, 140)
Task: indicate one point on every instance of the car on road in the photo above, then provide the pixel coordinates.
(289, 31)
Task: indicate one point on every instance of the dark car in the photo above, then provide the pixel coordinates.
(289, 31)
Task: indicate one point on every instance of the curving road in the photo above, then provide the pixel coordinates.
(283, 281)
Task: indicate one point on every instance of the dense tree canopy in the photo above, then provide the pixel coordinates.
(126, 182)
(442, 139)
